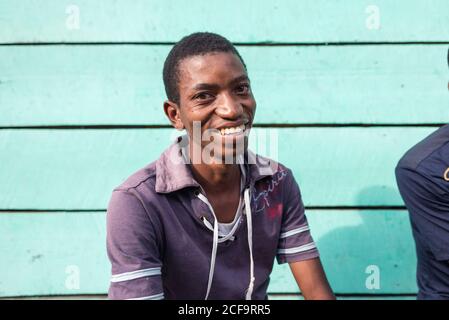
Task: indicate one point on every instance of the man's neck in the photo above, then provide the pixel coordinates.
(216, 178)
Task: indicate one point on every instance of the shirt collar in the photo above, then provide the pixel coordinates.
(173, 173)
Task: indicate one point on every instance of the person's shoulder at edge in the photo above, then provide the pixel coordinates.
(412, 159)
(421, 170)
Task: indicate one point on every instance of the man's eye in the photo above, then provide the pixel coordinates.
(203, 96)
(242, 89)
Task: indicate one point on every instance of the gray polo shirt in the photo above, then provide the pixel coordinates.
(161, 242)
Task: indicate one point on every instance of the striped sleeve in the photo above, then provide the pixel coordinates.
(295, 241)
(133, 249)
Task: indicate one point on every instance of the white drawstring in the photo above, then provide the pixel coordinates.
(249, 291)
(214, 246)
(225, 238)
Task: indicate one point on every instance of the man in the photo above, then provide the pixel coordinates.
(193, 225)
(423, 179)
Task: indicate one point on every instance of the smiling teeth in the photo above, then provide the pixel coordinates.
(231, 130)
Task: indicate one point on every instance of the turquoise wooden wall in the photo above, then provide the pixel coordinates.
(348, 85)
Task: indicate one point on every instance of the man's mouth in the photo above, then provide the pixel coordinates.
(233, 130)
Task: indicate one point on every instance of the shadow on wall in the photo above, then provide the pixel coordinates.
(367, 251)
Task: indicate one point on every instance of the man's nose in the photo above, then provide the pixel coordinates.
(229, 107)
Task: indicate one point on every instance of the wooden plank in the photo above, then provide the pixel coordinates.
(77, 169)
(356, 244)
(252, 21)
(90, 85)
(45, 253)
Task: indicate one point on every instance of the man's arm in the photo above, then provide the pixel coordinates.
(311, 279)
(133, 249)
(297, 248)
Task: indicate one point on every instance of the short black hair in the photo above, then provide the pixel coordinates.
(198, 43)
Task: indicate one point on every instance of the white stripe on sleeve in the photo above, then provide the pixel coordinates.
(126, 276)
(159, 296)
(302, 248)
(294, 231)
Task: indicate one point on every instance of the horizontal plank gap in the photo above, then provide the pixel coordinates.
(259, 125)
(49, 210)
(248, 44)
(358, 208)
(343, 208)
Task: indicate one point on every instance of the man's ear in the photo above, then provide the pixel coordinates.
(171, 109)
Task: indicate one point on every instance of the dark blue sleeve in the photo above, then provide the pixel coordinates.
(428, 206)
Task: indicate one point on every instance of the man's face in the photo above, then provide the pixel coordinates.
(215, 91)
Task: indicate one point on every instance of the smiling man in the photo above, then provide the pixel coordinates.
(209, 217)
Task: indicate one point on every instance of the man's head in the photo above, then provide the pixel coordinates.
(206, 82)
(196, 44)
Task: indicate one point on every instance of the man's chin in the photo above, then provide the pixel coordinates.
(227, 155)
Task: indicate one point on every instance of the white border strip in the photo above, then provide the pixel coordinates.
(294, 231)
(159, 296)
(302, 248)
(135, 274)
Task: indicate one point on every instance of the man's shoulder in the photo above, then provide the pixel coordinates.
(144, 176)
(274, 174)
(426, 165)
(271, 168)
(428, 150)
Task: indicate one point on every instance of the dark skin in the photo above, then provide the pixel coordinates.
(215, 90)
